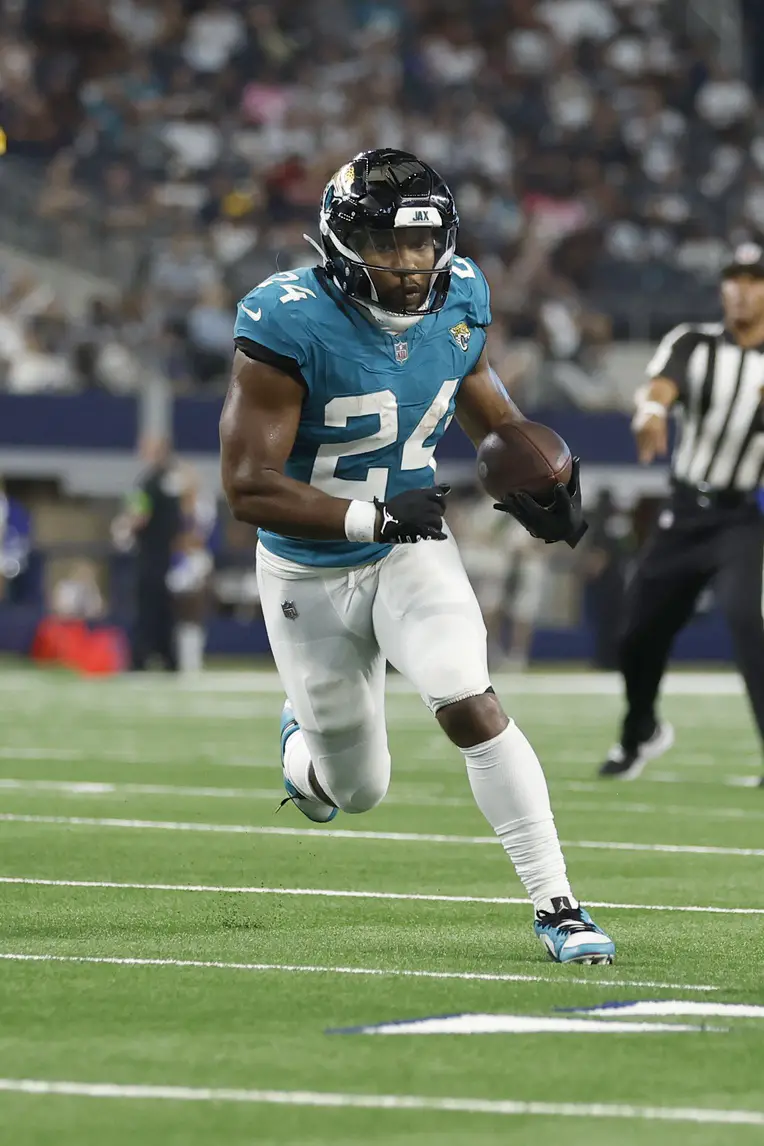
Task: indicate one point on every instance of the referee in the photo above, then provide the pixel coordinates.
(155, 523)
(712, 531)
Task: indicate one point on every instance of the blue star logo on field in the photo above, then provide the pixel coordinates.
(461, 335)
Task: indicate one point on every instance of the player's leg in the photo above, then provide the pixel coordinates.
(334, 741)
(741, 596)
(659, 602)
(429, 626)
(144, 639)
(525, 608)
(165, 627)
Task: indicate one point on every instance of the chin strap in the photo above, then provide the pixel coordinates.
(320, 250)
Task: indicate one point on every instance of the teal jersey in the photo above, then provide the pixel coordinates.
(376, 404)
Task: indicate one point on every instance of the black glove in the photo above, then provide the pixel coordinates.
(415, 515)
(560, 520)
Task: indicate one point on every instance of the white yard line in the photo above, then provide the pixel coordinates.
(750, 781)
(715, 684)
(331, 893)
(205, 755)
(107, 788)
(340, 834)
(317, 969)
(502, 1107)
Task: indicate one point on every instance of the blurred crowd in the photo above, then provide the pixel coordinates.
(600, 154)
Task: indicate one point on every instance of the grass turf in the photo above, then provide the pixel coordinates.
(140, 751)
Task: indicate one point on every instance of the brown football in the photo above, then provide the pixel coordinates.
(523, 457)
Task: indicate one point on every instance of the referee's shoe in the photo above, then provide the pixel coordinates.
(628, 762)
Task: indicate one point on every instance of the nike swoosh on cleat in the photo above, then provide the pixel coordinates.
(255, 315)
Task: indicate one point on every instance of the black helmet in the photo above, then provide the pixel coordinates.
(378, 191)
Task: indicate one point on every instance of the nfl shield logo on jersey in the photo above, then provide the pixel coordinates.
(401, 351)
(461, 334)
(289, 609)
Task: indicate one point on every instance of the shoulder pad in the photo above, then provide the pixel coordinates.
(276, 313)
(469, 285)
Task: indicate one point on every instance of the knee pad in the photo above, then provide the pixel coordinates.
(356, 776)
(370, 787)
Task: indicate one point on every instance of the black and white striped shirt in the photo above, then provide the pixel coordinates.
(721, 442)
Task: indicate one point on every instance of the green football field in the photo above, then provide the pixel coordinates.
(176, 957)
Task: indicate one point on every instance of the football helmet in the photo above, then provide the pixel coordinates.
(364, 204)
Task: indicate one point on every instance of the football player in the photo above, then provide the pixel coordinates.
(345, 377)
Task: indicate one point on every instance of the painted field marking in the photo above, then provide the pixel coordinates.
(107, 788)
(341, 834)
(374, 972)
(203, 755)
(504, 1107)
(330, 893)
(674, 1007)
(117, 788)
(711, 684)
(489, 1024)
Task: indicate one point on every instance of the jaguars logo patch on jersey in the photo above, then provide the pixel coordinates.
(461, 334)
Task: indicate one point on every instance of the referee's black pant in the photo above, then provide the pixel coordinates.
(702, 539)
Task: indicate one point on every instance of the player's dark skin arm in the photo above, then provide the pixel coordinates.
(482, 403)
(258, 427)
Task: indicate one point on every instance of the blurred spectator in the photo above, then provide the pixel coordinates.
(77, 597)
(572, 340)
(507, 569)
(598, 152)
(209, 334)
(189, 576)
(15, 546)
(37, 366)
(181, 273)
(151, 524)
(609, 547)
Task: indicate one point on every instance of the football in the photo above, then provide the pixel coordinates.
(523, 457)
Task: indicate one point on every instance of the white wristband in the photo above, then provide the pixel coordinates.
(646, 410)
(361, 521)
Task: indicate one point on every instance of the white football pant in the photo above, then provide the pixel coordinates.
(331, 632)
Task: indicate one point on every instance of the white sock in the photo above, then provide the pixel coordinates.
(296, 765)
(189, 643)
(510, 789)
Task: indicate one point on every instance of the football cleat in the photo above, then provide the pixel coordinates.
(628, 763)
(310, 806)
(570, 935)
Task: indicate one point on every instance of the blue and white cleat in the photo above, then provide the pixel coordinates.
(310, 806)
(570, 935)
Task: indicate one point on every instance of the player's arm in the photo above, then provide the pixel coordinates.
(667, 373)
(258, 427)
(483, 403)
(650, 422)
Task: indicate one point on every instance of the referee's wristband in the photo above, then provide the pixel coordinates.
(645, 411)
(361, 522)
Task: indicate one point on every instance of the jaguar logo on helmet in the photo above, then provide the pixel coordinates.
(344, 179)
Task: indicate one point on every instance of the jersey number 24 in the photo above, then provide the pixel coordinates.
(416, 453)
